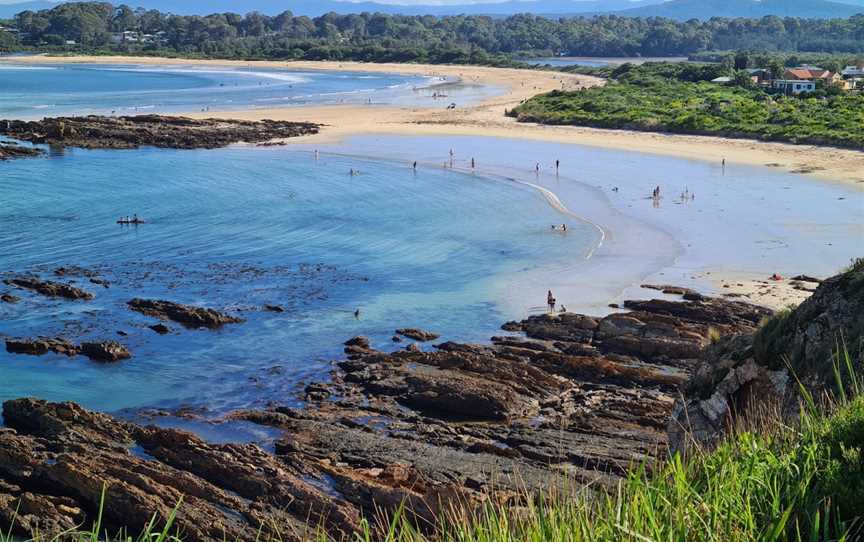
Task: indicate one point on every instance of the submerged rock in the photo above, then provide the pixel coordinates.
(108, 351)
(9, 151)
(41, 346)
(188, 316)
(161, 329)
(97, 132)
(50, 289)
(9, 298)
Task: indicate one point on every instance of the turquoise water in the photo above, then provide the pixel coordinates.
(242, 227)
(64, 89)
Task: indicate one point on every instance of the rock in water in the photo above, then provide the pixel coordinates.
(41, 346)
(417, 334)
(96, 132)
(9, 151)
(108, 352)
(50, 289)
(188, 316)
(161, 329)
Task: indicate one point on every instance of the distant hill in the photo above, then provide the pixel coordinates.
(314, 8)
(683, 10)
(674, 9)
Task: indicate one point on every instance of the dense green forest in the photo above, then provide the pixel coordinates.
(679, 98)
(418, 38)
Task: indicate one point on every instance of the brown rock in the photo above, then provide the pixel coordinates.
(95, 132)
(188, 316)
(417, 334)
(108, 351)
(50, 289)
(41, 346)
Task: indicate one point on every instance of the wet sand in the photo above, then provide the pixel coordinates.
(487, 118)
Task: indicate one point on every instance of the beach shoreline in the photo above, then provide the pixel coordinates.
(488, 119)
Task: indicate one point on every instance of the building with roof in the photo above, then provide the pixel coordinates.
(793, 86)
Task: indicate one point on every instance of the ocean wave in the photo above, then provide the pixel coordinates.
(284, 77)
(12, 67)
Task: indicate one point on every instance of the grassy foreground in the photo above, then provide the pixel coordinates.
(771, 483)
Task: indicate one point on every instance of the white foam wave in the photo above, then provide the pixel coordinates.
(277, 76)
(12, 67)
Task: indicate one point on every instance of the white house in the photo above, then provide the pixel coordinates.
(794, 86)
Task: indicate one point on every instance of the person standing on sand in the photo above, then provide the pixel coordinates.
(557, 166)
(472, 163)
(415, 165)
(550, 300)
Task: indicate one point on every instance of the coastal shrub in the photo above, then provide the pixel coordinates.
(770, 341)
(677, 98)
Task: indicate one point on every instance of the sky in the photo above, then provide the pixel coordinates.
(401, 2)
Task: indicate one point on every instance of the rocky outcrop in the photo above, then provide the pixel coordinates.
(9, 298)
(186, 315)
(107, 351)
(56, 460)
(417, 334)
(9, 151)
(463, 424)
(49, 288)
(41, 346)
(740, 375)
(95, 132)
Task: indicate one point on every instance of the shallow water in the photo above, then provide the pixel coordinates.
(28, 92)
(243, 227)
(742, 221)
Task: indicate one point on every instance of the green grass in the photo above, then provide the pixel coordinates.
(771, 482)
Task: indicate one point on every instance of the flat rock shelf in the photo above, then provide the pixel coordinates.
(562, 400)
(100, 132)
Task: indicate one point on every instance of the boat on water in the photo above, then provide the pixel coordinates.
(131, 222)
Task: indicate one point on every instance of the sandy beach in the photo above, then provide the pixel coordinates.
(487, 118)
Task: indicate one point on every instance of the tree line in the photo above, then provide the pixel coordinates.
(375, 36)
